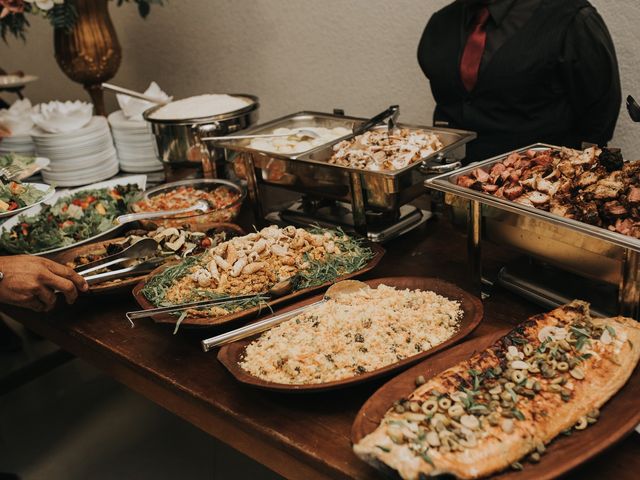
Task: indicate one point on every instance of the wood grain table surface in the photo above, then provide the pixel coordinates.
(303, 436)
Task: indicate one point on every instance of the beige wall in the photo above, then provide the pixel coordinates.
(359, 55)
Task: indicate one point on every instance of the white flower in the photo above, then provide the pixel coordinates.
(44, 4)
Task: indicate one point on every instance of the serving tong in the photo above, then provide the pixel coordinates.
(633, 108)
(142, 249)
(140, 268)
(279, 289)
(390, 116)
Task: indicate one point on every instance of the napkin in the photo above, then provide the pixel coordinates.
(132, 108)
(17, 118)
(60, 117)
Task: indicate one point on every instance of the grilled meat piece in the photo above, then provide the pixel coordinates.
(633, 197)
(524, 200)
(490, 188)
(466, 181)
(513, 191)
(567, 169)
(611, 159)
(539, 199)
(588, 213)
(511, 159)
(587, 178)
(563, 210)
(614, 209)
(480, 175)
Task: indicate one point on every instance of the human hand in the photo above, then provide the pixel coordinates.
(31, 282)
(4, 132)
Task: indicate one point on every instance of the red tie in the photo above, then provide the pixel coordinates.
(473, 50)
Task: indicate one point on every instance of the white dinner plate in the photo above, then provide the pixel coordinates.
(96, 124)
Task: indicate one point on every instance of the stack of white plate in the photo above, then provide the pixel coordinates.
(19, 144)
(79, 157)
(135, 144)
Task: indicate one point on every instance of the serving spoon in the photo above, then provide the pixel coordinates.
(201, 205)
(301, 132)
(134, 94)
(345, 287)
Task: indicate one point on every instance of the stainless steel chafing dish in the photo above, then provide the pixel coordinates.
(580, 248)
(310, 174)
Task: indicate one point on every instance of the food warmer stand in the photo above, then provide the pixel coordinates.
(592, 261)
(373, 204)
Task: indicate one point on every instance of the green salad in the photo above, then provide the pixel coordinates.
(17, 159)
(15, 195)
(71, 219)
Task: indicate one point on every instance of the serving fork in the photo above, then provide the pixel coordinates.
(10, 172)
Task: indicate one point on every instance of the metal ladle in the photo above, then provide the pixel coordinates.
(335, 291)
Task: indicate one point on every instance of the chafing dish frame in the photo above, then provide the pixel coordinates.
(310, 174)
(629, 279)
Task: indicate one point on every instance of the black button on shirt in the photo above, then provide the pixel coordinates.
(548, 74)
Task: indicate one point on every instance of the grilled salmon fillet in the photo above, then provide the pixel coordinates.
(551, 373)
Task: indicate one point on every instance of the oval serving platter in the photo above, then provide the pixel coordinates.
(48, 192)
(126, 284)
(250, 313)
(139, 180)
(618, 417)
(230, 355)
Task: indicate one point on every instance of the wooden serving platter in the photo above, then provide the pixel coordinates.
(231, 355)
(249, 313)
(126, 284)
(618, 417)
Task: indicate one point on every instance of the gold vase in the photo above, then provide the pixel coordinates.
(90, 53)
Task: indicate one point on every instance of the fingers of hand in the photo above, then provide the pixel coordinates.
(35, 305)
(47, 298)
(67, 287)
(69, 274)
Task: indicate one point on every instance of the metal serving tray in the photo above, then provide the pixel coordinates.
(310, 174)
(448, 183)
(575, 246)
(383, 190)
(302, 119)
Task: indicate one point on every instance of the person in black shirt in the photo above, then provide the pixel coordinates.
(519, 72)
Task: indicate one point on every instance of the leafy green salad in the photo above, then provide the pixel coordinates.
(71, 219)
(16, 159)
(15, 195)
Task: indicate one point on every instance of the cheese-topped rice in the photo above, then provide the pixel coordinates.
(351, 335)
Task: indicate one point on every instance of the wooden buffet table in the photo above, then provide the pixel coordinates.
(298, 436)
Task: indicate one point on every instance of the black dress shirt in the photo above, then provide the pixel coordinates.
(548, 74)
